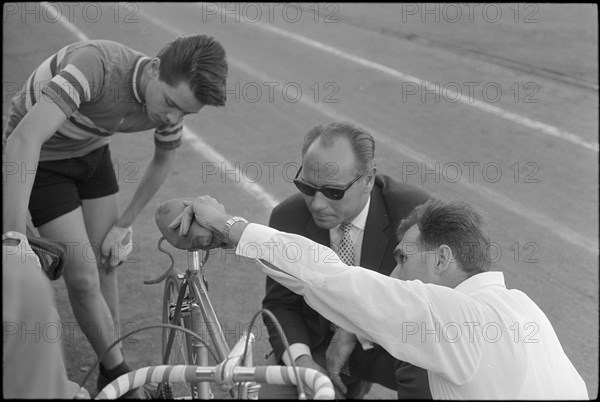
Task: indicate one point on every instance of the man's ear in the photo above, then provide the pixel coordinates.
(154, 67)
(444, 258)
(370, 180)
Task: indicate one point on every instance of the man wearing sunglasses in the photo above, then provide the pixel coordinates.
(338, 185)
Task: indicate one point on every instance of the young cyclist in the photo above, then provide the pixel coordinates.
(60, 125)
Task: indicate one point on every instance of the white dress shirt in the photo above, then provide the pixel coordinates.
(477, 341)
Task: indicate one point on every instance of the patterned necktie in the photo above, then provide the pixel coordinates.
(346, 254)
(346, 248)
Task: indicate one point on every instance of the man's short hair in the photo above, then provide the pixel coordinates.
(361, 141)
(200, 62)
(456, 224)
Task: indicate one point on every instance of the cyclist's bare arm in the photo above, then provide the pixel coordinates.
(22, 151)
(153, 178)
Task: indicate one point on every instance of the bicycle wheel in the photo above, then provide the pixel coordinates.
(181, 349)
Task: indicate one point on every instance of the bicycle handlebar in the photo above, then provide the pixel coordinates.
(317, 382)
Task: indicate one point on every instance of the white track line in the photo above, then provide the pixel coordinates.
(57, 16)
(212, 155)
(486, 107)
(269, 201)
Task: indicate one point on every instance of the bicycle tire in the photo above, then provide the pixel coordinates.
(181, 351)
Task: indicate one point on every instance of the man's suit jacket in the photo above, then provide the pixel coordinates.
(391, 201)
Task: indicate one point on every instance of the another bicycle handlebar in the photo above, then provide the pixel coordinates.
(317, 382)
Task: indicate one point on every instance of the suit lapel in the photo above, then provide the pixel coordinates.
(377, 232)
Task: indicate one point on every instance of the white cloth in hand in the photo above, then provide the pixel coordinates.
(117, 245)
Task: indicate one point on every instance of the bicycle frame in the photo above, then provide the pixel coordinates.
(194, 283)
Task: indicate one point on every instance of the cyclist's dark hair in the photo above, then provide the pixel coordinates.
(361, 141)
(456, 224)
(200, 62)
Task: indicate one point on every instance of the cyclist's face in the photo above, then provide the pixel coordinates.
(166, 104)
(335, 166)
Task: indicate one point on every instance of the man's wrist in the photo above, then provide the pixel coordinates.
(297, 350)
(233, 228)
(125, 221)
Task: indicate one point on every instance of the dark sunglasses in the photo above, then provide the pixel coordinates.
(332, 193)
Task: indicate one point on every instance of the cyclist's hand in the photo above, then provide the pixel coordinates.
(337, 354)
(117, 246)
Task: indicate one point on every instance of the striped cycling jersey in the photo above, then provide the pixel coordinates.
(96, 83)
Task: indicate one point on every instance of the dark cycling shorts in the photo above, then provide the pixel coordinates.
(60, 185)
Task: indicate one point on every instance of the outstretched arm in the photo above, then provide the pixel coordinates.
(334, 289)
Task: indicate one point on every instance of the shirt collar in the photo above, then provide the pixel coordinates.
(137, 79)
(478, 281)
(361, 219)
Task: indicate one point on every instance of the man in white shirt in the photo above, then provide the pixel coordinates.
(445, 311)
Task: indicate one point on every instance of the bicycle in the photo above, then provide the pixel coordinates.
(188, 318)
(226, 374)
(186, 303)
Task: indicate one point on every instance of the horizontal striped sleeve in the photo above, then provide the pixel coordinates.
(170, 137)
(76, 76)
(79, 80)
(64, 93)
